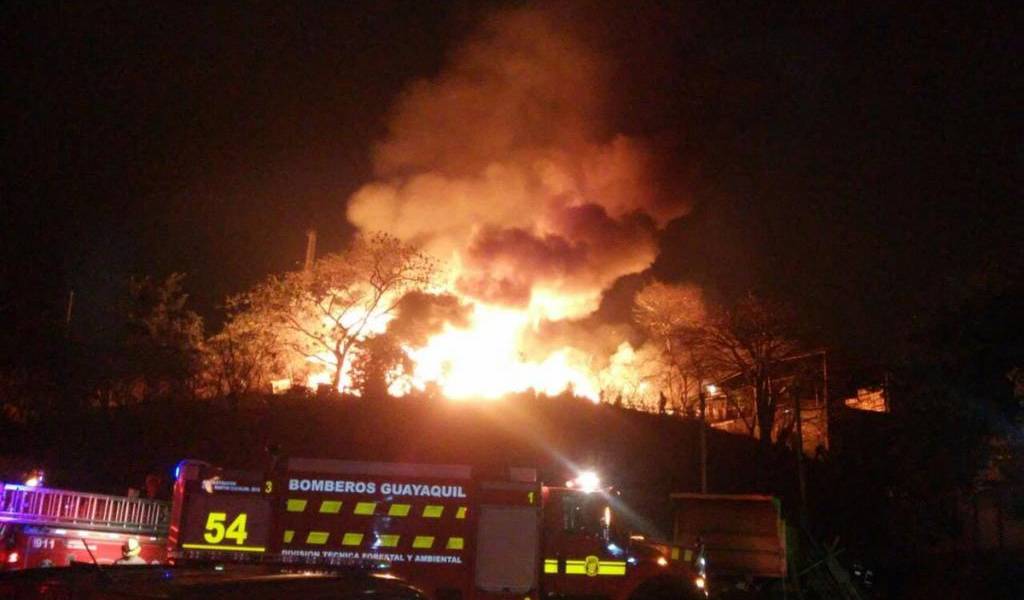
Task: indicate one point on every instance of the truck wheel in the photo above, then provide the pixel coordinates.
(667, 589)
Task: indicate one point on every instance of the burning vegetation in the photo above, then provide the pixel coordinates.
(504, 211)
(503, 170)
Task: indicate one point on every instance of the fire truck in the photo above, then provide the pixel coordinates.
(456, 532)
(41, 527)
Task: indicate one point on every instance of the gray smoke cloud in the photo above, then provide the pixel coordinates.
(503, 165)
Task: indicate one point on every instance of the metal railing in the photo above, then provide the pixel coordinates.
(45, 506)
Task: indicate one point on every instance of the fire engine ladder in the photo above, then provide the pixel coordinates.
(63, 508)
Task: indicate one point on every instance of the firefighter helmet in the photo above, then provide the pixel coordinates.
(130, 548)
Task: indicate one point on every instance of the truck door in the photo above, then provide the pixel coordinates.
(580, 560)
(508, 540)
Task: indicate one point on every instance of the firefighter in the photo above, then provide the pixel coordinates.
(153, 485)
(130, 550)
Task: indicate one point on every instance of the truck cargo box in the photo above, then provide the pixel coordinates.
(743, 535)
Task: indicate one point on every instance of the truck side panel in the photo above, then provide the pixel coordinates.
(416, 519)
(31, 546)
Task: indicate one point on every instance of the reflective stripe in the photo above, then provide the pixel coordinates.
(399, 510)
(330, 507)
(579, 567)
(611, 567)
(296, 505)
(551, 565)
(224, 548)
(575, 567)
(288, 535)
(461, 513)
(352, 539)
(317, 537)
(454, 543)
(687, 555)
(423, 541)
(433, 511)
(365, 508)
(675, 553)
(387, 540)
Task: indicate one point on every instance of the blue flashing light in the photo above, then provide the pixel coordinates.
(615, 550)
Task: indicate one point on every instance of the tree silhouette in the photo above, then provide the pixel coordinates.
(322, 314)
(742, 342)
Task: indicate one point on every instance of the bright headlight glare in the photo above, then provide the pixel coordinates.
(588, 481)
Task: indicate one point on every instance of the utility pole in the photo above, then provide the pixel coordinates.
(824, 396)
(703, 438)
(67, 314)
(310, 250)
(798, 415)
(801, 477)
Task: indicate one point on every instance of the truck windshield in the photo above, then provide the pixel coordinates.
(585, 513)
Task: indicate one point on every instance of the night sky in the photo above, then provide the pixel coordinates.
(862, 162)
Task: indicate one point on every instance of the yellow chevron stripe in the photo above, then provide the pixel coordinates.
(433, 511)
(317, 537)
(352, 539)
(296, 505)
(365, 508)
(387, 540)
(399, 510)
(461, 513)
(330, 507)
(423, 541)
(288, 535)
(454, 543)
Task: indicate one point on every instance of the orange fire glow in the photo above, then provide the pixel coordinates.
(485, 360)
(503, 168)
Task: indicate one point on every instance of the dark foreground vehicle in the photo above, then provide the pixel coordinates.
(87, 582)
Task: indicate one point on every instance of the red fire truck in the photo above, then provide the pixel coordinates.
(42, 527)
(456, 532)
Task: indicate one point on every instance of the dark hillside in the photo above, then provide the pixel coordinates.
(647, 456)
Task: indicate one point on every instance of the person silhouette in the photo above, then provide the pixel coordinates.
(130, 551)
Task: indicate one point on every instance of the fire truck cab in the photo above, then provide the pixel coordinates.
(46, 527)
(456, 532)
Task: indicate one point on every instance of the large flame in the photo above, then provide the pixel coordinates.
(503, 167)
(484, 360)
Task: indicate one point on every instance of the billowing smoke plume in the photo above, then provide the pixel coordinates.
(504, 167)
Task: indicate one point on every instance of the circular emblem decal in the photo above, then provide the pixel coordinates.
(591, 564)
